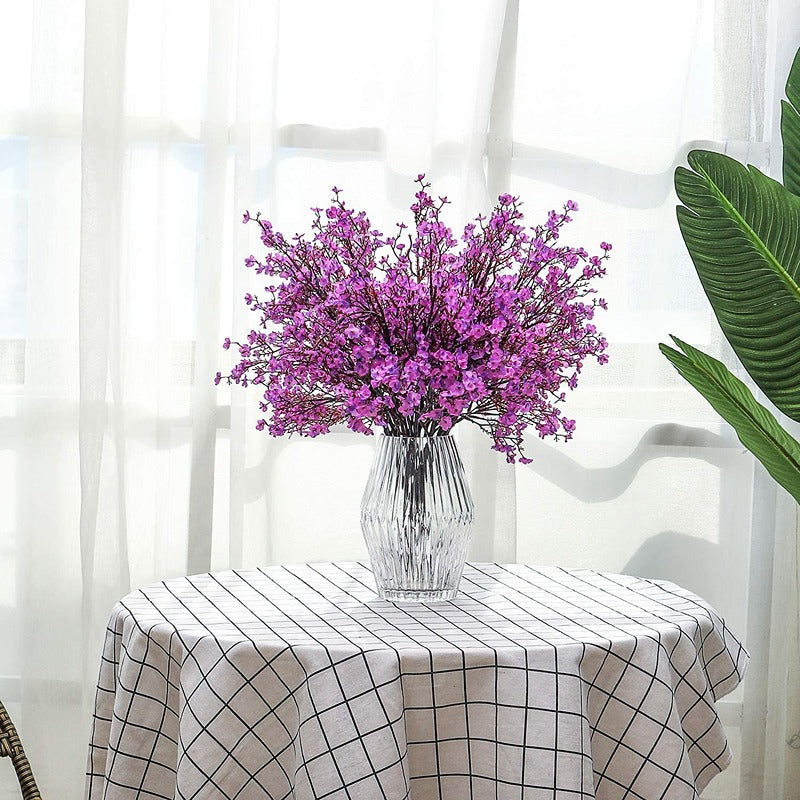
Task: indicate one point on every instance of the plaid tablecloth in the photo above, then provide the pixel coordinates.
(297, 682)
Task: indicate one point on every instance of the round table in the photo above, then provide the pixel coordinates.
(298, 682)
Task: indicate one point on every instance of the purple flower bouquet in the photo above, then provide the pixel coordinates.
(416, 332)
(413, 333)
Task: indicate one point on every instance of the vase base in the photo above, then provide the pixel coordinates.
(417, 595)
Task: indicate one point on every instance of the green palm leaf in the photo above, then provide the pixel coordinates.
(790, 129)
(756, 427)
(742, 230)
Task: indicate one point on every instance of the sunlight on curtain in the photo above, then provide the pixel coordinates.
(132, 139)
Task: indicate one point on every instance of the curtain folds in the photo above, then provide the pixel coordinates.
(134, 136)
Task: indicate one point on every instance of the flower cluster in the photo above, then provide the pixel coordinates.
(416, 331)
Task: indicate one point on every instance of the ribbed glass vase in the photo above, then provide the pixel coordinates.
(416, 515)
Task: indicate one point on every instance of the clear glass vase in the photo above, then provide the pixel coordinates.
(416, 515)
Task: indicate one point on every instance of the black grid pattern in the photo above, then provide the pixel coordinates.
(297, 682)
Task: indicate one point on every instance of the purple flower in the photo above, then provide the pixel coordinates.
(363, 330)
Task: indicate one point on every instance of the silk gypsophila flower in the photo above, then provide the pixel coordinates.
(416, 331)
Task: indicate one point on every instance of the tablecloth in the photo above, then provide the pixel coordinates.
(298, 682)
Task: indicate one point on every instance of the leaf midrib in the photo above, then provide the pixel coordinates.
(754, 238)
(753, 419)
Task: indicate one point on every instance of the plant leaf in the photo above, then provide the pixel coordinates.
(756, 427)
(790, 129)
(742, 230)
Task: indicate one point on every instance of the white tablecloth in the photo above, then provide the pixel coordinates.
(297, 682)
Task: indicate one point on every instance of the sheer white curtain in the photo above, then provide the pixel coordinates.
(132, 138)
